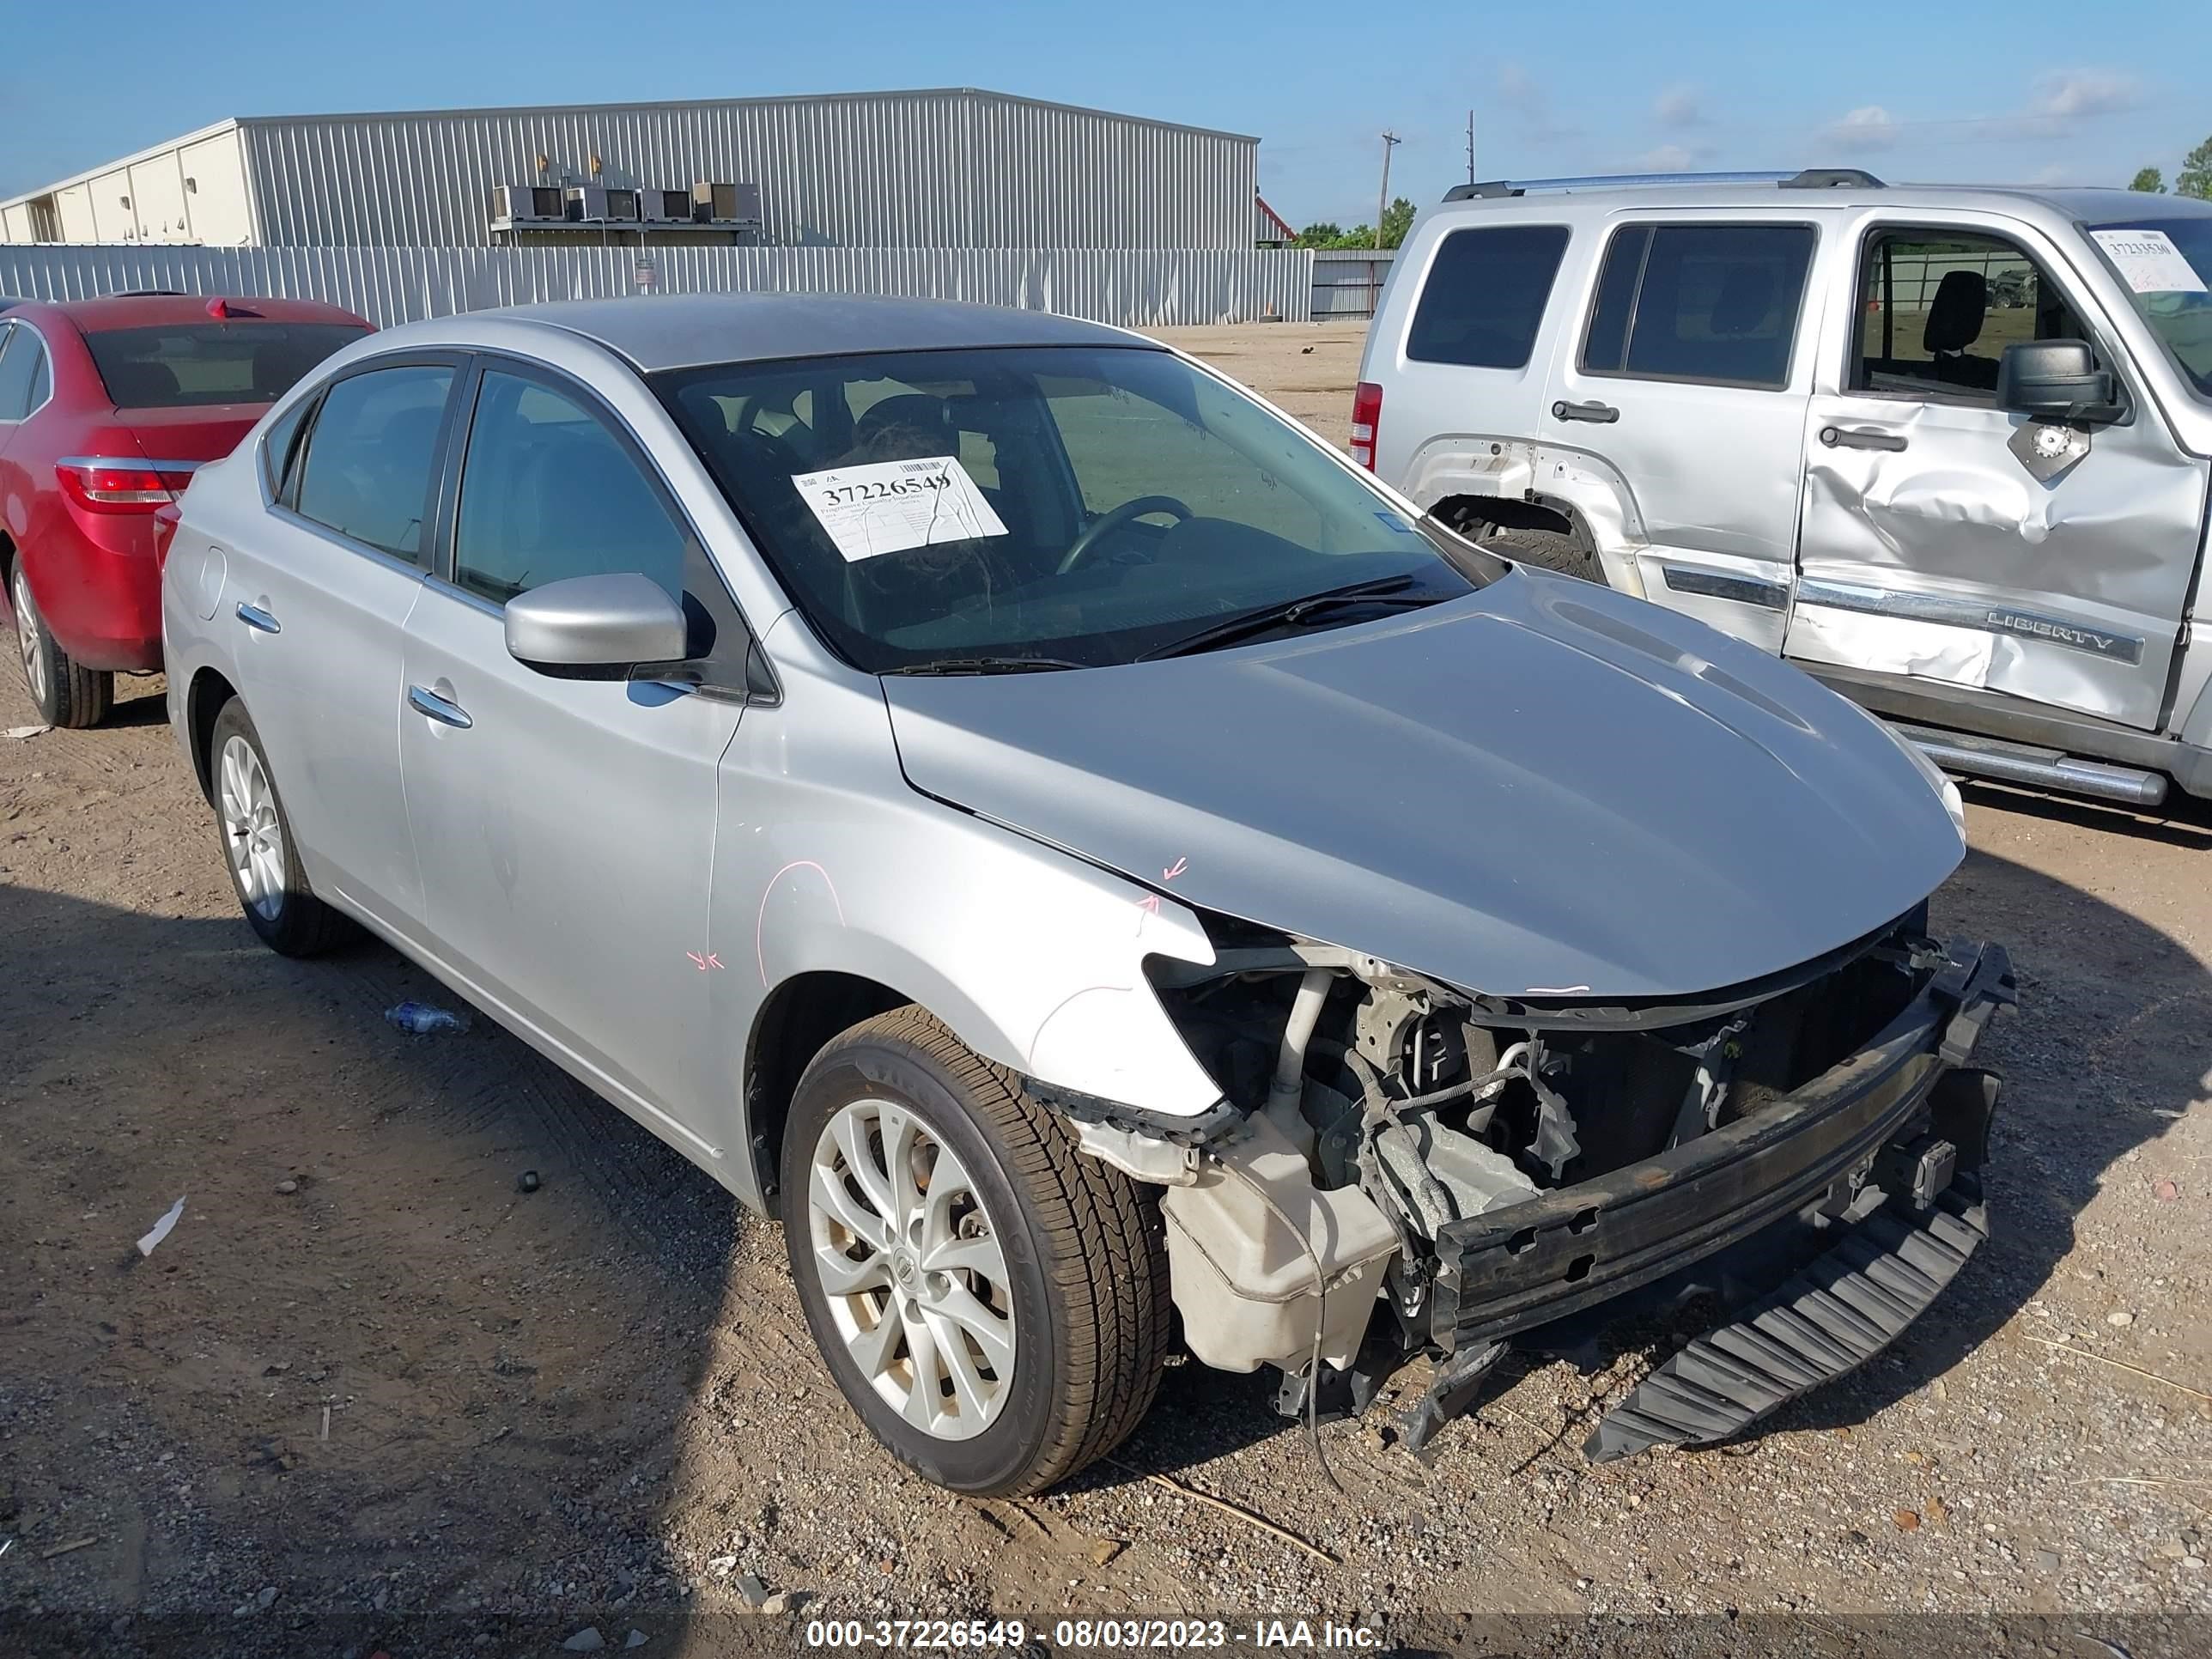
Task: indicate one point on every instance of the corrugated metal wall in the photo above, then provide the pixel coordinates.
(1347, 282)
(960, 169)
(1144, 287)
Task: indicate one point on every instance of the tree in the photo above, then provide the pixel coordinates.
(1321, 234)
(1397, 221)
(2195, 178)
(2149, 180)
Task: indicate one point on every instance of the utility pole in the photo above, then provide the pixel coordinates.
(1470, 147)
(1391, 142)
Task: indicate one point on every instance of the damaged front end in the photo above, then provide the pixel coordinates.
(1404, 1168)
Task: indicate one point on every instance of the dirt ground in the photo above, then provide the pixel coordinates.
(370, 1396)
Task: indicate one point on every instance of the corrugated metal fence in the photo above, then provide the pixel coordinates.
(1347, 282)
(1136, 287)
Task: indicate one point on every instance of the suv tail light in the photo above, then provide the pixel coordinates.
(1366, 418)
(101, 483)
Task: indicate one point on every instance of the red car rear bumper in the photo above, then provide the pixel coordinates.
(98, 586)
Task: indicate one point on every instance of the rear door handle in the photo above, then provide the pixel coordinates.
(424, 700)
(1601, 414)
(254, 616)
(1860, 437)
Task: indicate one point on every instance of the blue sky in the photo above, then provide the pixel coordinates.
(2012, 93)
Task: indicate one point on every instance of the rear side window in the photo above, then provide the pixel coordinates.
(277, 449)
(179, 365)
(21, 362)
(1485, 296)
(367, 472)
(1700, 302)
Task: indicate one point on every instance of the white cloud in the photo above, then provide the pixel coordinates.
(1521, 93)
(1679, 106)
(1867, 128)
(2083, 92)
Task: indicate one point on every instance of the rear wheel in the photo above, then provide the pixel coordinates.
(258, 846)
(66, 695)
(992, 1303)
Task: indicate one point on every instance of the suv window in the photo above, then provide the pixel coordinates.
(1700, 302)
(548, 492)
(1485, 296)
(367, 470)
(22, 373)
(1937, 309)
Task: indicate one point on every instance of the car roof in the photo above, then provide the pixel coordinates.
(663, 332)
(2087, 204)
(152, 311)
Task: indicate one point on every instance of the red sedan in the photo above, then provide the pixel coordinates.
(107, 409)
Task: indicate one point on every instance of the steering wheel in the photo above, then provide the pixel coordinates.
(1079, 549)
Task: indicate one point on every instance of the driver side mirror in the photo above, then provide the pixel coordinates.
(596, 628)
(2055, 380)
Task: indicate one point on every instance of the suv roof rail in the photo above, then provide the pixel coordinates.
(1805, 179)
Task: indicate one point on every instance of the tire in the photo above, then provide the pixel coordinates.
(1567, 553)
(1079, 1278)
(67, 695)
(258, 846)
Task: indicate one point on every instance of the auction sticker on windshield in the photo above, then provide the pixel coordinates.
(2149, 262)
(887, 506)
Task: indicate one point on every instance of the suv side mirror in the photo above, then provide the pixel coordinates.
(595, 628)
(2056, 380)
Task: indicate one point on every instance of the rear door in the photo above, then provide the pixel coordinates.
(319, 597)
(1688, 382)
(1936, 546)
(566, 827)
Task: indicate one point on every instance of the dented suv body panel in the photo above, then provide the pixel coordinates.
(1806, 447)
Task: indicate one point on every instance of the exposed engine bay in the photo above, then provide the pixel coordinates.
(1393, 1134)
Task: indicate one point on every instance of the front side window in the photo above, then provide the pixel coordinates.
(1716, 303)
(1937, 309)
(184, 365)
(367, 470)
(1063, 506)
(1484, 299)
(548, 492)
(2166, 266)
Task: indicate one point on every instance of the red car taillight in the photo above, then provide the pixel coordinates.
(1366, 420)
(99, 483)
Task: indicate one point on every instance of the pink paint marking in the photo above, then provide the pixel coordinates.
(1149, 902)
(703, 963)
(1180, 865)
(760, 957)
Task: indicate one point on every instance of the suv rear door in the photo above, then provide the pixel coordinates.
(1686, 381)
(1929, 547)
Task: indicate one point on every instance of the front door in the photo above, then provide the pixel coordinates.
(1686, 381)
(318, 596)
(1938, 543)
(566, 827)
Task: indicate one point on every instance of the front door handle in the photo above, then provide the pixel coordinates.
(1860, 437)
(254, 616)
(423, 700)
(1599, 414)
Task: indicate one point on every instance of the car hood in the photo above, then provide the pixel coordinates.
(1544, 787)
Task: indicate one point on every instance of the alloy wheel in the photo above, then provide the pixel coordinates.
(250, 831)
(912, 1268)
(26, 638)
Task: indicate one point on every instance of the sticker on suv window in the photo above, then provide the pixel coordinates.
(887, 506)
(2149, 262)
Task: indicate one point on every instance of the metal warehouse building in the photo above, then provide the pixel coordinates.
(958, 168)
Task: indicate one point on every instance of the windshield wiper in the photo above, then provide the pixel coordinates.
(1291, 612)
(987, 666)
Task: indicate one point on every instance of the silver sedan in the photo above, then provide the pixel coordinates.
(997, 795)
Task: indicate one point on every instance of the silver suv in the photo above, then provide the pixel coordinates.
(1945, 448)
(992, 792)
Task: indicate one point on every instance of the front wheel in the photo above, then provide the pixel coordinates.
(992, 1303)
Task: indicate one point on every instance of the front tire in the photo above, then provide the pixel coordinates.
(1568, 552)
(258, 850)
(992, 1303)
(67, 695)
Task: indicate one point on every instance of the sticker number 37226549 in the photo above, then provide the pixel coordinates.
(887, 506)
(839, 495)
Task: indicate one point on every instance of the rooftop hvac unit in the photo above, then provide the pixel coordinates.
(665, 206)
(726, 204)
(622, 205)
(585, 202)
(526, 204)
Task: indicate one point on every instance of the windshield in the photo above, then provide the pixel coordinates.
(1046, 507)
(2166, 265)
(186, 365)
